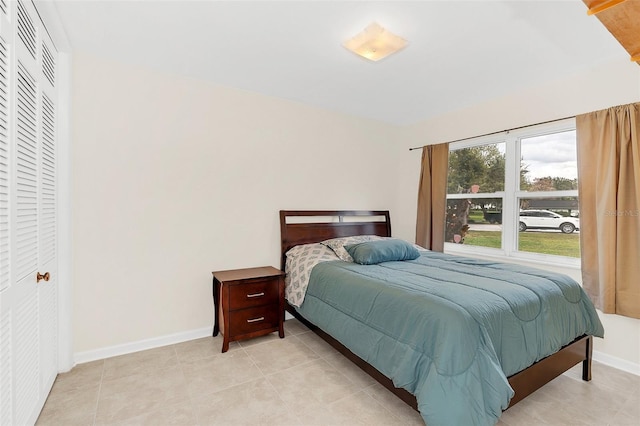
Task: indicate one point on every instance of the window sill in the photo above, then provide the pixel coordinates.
(554, 262)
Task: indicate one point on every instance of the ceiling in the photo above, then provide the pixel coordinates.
(460, 52)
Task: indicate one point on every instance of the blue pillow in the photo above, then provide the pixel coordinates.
(387, 250)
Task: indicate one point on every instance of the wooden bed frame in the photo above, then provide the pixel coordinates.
(312, 226)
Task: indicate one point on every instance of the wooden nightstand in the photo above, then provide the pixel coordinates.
(248, 303)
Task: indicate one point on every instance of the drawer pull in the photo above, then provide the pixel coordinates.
(256, 319)
(255, 294)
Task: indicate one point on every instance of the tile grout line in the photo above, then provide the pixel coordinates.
(252, 360)
(621, 408)
(253, 344)
(384, 406)
(361, 390)
(95, 412)
(240, 348)
(346, 379)
(292, 366)
(194, 412)
(275, 389)
(266, 376)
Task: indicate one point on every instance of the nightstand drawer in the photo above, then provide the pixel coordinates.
(254, 319)
(253, 294)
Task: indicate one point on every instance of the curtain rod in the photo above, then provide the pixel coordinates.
(501, 131)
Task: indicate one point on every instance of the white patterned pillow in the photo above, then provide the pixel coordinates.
(300, 261)
(337, 244)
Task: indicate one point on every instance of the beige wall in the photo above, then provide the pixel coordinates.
(174, 178)
(610, 84)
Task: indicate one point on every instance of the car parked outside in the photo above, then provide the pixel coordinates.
(545, 219)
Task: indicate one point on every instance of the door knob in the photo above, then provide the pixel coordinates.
(40, 277)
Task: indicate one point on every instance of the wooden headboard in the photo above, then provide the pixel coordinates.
(313, 226)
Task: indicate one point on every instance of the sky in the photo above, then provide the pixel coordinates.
(551, 155)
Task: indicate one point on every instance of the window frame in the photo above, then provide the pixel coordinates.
(512, 194)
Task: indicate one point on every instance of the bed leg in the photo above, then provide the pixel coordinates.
(586, 364)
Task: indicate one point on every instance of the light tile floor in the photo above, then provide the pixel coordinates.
(299, 380)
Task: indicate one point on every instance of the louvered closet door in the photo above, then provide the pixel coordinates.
(6, 343)
(47, 220)
(6, 191)
(29, 308)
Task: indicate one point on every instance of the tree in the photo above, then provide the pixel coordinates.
(457, 218)
(524, 178)
(542, 184)
(563, 184)
(547, 183)
(479, 165)
(466, 167)
(475, 169)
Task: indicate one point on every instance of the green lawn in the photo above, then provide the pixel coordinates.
(476, 216)
(555, 243)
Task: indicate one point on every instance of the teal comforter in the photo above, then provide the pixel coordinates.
(449, 329)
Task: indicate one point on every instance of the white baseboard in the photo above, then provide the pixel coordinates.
(141, 345)
(620, 364)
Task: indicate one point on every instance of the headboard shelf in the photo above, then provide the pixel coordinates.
(312, 226)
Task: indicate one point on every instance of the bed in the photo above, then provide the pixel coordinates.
(394, 347)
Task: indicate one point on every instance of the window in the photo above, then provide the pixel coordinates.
(516, 194)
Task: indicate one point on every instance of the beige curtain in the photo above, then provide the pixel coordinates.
(432, 197)
(609, 188)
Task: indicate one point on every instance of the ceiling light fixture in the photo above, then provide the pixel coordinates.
(375, 43)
